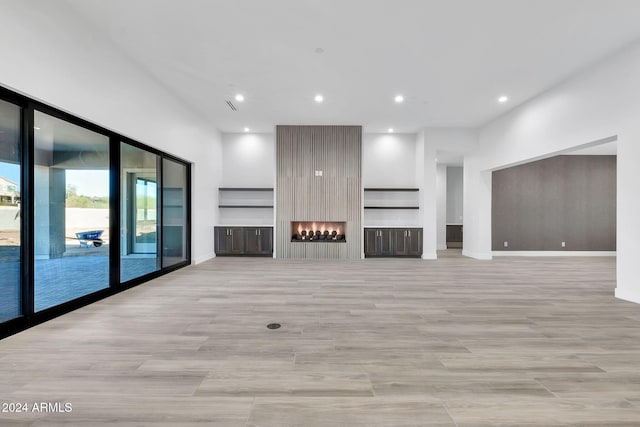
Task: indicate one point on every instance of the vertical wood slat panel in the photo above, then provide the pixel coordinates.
(301, 196)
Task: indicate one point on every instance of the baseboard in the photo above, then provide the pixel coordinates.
(442, 247)
(554, 253)
(477, 255)
(432, 255)
(204, 258)
(628, 295)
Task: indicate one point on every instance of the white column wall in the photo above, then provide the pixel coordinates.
(441, 206)
(56, 58)
(477, 211)
(427, 185)
(628, 212)
(599, 103)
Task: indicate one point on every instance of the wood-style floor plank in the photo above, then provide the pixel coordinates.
(380, 342)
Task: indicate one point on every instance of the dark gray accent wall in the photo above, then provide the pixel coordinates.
(334, 196)
(539, 205)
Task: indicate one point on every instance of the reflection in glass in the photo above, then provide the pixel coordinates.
(71, 211)
(174, 202)
(139, 240)
(10, 299)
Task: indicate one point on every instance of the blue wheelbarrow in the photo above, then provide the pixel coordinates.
(87, 238)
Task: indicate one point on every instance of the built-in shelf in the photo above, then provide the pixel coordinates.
(246, 206)
(392, 189)
(245, 189)
(392, 207)
(245, 198)
(390, 198)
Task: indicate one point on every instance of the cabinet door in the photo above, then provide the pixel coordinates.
(370, 244)
(222, 241)
(258, 241)
(414, 242)
(454, 233)
(386, 242)
(400, 241)
(237, 240)
(265, 235)
(252, 245)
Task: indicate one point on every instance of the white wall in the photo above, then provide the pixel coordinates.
(455, 191)
(388, 160)
(441, 206)
(599, 103)
(248, 160)
(428, 195)
(54, 57)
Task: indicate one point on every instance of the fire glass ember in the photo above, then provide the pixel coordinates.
(318, 231)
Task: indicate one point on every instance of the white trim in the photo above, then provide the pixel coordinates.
(244, 225)
(477, 255)
(432, 255)
(628, 295)
(554, 253)
(442, 247)
(203, 258)
(392, 226)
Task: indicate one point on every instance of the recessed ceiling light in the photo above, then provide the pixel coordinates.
(246, 129)
(390, 130)
(503, 99)
(239, 97)
(399, 99)
(319, 98)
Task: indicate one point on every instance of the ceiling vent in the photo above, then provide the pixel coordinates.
(233, 107)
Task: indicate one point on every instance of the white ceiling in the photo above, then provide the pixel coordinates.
(450, 59)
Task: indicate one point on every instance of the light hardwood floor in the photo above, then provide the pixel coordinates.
(382, 342)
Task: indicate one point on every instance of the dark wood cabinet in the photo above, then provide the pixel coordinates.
(259, 240)
(378, 242)
(400, 246)
(253, 241)
(454, 236)
(371, 241)
(393, 242)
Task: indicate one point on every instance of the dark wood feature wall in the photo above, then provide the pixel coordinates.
(539, 205)
(334, 196)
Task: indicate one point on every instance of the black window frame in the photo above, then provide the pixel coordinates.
(29, 317)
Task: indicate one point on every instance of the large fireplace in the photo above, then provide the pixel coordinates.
(318, 190)
(318, 231)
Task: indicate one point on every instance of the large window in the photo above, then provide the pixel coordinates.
(139, 241)
(71, 203)
(10, 230)
(174, 212)
(82, 212)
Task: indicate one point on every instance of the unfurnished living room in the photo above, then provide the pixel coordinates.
(319, 213)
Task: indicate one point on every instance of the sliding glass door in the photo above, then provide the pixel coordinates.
(139, 216)
(10, 214)
(82, 212)
(71, 216)
(174, 212)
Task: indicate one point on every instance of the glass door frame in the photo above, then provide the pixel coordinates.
(131, 187)
(29, 318)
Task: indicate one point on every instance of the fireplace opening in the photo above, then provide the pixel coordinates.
(318, 231)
